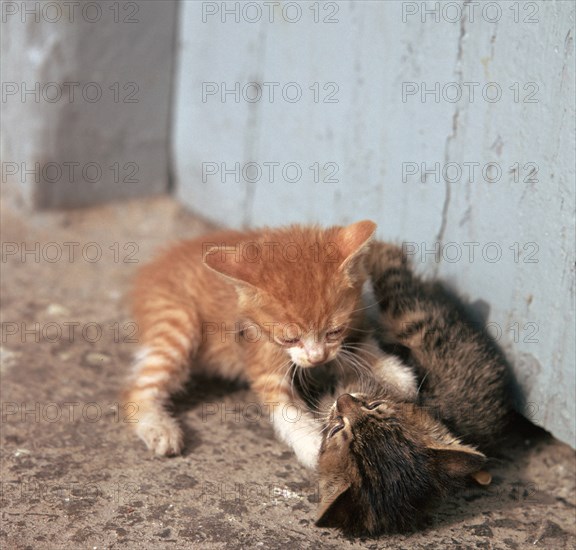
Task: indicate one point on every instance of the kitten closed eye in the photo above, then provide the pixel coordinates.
(288, 341)
(336, 428)
(334, 334)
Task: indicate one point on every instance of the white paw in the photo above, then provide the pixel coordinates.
(308, 456)
(307, 447)
(395, 374)
(303, 436)
(161, 433)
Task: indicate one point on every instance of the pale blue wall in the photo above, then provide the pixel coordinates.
(526, 49)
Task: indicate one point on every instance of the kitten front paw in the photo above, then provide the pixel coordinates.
(161, 434)
(304, 437)
(398, 377)
(308, 458)
(307, 450)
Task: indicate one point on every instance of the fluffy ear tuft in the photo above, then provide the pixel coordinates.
(353, 241)
(226, 260)
(335, 509)
(459, 460)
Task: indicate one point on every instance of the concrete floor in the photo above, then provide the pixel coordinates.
(74, 476)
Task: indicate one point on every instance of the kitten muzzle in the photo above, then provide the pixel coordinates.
(315, 353)
(347, 403)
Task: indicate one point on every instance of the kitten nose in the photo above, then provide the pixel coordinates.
(316, 355)
(346, 403)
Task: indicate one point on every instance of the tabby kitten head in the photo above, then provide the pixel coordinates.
(299, 287)
(382, 461)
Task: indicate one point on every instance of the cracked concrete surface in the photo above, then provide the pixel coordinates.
(74, 476)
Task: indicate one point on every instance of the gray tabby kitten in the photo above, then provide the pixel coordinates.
(385, 457)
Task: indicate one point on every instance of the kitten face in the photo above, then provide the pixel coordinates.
(306, 301)
(308, 339)
(382, 461)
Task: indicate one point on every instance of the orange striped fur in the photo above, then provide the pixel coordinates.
(247, 305)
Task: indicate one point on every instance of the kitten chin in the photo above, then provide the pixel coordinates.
(382, 463)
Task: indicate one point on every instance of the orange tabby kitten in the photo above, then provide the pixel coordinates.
(254, 306)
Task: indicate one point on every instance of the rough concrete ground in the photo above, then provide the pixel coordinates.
(74, 476)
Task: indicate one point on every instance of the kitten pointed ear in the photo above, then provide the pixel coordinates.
(227, 261)
(335, 507)
(353, 241)
(459, 460)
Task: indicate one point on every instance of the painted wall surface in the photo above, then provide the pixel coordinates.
(452, 127)
(86, 91)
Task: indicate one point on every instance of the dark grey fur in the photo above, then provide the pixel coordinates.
(390, 459)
